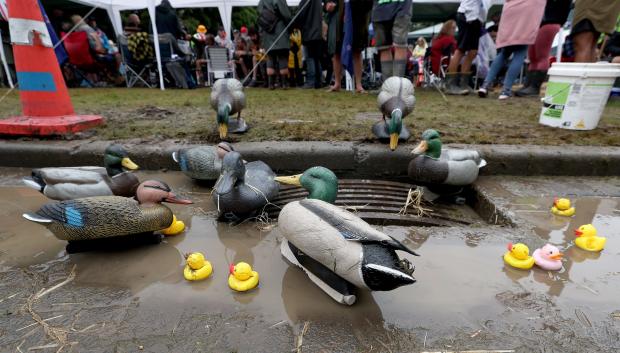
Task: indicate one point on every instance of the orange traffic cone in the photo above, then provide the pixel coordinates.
(47, 108)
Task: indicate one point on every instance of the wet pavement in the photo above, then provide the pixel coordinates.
(465, 298)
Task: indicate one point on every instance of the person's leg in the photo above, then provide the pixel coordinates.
(400, 31)
(467, 60)
(383, 39)
(283, 64)
(585, 46)
(357, 70)
(387, 65)
(271, 72)
(337, 66)
(318, 72)
(496, 66)
(518, 56)
(400, 61)
(454, 61)
(538, 54)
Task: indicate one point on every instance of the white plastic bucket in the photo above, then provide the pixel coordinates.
(577, 93)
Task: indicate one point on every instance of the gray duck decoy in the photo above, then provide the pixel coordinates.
(203, 162)
(227, 98)
(395, 101)
(338, 250)
(100, 217)
(68, 183)
(243, 189)
(443, 171)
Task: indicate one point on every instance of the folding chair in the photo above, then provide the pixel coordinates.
(80, 58)
(218, 64)
(134, 71)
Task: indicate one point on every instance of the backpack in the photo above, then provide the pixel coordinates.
(267, 20)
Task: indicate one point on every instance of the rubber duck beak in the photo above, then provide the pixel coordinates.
(172, 198)
(557, 256)
(578, 233)
(555, 202)
(231, 269)
(509, 246)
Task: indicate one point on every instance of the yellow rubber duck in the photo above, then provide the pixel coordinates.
(175, 228)
(561, 207)
(587, 239)
(518, 255)
(242, 278)
(197, 268)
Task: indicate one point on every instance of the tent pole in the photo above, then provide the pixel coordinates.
(156, 44)
(4, 63)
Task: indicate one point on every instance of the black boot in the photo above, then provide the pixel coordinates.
(532, 89)
(271, 79)
(452, 85)
(464, 82)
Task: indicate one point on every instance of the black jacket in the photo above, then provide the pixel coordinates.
(166, 20)
(310, 20)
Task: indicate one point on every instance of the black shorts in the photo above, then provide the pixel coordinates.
(584, 25)
(469, 33)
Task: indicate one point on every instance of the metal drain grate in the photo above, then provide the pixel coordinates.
(375, 201)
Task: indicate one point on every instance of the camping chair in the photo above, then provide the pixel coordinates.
(134, 71)
(218, 64)
(80, 58)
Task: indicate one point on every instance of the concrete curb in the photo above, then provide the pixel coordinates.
(345, 158)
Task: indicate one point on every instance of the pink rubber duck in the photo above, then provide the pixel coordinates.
(548, 258)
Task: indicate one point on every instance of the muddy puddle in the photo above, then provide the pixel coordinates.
(463, 285)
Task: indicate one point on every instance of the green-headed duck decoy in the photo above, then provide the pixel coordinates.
(227, 98)
(395, 101)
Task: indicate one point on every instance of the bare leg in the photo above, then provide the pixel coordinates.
(585, 47)
(469, 58)
(455, 61)
(357, 70)
(337, 73)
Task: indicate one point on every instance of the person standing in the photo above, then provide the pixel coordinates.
(470, 16)
(273, 17)
(166, 21)
(310, 22)
(592, 17)
(556, 14)
(518, 27)
(390, 20)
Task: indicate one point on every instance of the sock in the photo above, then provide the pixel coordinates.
(386, 69)
(399, 67)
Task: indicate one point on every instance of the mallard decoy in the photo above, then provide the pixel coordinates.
(98, 217)
(243, 188)
(338, 250)
(227, 98)
(69, 183)
(434, 167)
(203, 162)
(395, 101)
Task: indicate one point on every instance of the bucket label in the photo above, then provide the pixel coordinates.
(554, 102)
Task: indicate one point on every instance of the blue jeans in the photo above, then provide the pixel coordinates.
(518, 53)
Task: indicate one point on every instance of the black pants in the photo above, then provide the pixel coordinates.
(314, 50)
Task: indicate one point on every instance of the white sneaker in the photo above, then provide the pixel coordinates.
(503, 97)
(482, 92)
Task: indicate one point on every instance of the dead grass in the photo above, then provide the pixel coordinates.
(298, 115)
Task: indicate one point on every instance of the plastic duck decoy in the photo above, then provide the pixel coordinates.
(243, 188)
(395, 101)
(203, 162)
(227, 98)
(518, 256)
(242, 278)
(548, 258)
(100, 217)
(196, 267)
(338, 250)
(69, 183)
(437, 168)
(587, 238)
(562, 207)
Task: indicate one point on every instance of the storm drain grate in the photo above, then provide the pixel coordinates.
(375, 201)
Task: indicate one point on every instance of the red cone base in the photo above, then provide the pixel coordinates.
(25, 125)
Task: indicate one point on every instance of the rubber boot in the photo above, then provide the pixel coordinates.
(284, 81)
(272, 79)
(452, 85)
(399, 68)
(387, 68)
(535, 80)
(464, 82)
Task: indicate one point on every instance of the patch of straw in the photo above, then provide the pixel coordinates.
(414, 201)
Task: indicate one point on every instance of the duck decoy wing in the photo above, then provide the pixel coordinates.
(462, 172)
(463, 155)
(351, 227)
(78, 175)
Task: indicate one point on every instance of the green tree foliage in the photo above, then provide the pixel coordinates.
(244, 16)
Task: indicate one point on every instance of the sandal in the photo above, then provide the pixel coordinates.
(333, 89)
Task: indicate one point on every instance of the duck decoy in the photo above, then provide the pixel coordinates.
(227, 98)
(338, 250)
(95, 218)
(202, 163)
(68, 183)
(443, 171)
(243, 189)
(395, 101)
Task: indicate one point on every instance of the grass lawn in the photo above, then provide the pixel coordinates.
(297, 115)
